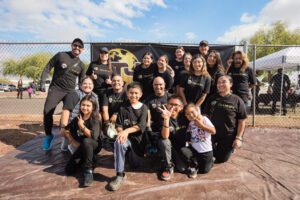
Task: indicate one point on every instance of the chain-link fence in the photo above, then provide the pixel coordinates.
(274, 101)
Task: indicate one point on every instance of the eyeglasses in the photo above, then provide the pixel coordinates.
(174, 104)
(76, 45)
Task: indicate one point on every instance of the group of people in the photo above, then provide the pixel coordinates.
(192, 110)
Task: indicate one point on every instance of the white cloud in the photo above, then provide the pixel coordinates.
(247, 18)
(275, 10)
(62, 20)
(190, 36)
(158, 31)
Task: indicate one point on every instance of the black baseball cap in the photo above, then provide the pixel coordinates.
(203, 43)
(79, 41)
(104, 50)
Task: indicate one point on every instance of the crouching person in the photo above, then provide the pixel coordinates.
(83, 133)
(173, 135)
(131, 123)
(199, 154)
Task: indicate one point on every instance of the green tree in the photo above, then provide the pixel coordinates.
(278, 34)
(30, 66)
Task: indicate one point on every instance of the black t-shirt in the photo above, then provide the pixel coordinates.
(129, 117)
(195, 87)
(153, 103)
(276, 82)
(102, 72)
(177, 67)
(167, 78)
(66, 70)
(145, 77)
(92, 125)
(114, 100)
(224, 113)
(214, 73)
(241, 80)
(178, 133)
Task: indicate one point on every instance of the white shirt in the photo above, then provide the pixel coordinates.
(200, 139)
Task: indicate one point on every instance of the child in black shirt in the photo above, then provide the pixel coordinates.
(131, 123)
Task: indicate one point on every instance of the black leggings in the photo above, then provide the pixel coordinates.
(222, 148)
(202, 161)
(53, 99)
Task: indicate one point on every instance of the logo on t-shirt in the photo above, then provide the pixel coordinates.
(64, 65)
(110, 100)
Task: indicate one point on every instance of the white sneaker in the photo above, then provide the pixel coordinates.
(72, 149)
(64, 144)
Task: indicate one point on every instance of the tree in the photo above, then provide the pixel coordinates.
(31, 66)
(278, 34)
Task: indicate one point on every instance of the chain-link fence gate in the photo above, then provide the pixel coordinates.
(274, 101)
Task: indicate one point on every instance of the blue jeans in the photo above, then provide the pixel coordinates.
(120, 152)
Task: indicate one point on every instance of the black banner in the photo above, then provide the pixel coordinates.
(125, 56)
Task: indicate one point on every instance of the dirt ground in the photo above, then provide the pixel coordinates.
(16, 130)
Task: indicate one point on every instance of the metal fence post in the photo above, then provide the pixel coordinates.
(254, 91)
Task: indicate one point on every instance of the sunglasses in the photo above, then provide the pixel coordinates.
(76, 45)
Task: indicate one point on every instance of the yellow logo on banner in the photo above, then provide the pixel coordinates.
(125, 62)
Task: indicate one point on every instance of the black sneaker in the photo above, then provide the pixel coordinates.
(116, 183)
(88, 178)
(167, 173)
(192, 172)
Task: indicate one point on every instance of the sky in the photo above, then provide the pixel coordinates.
(180, 21)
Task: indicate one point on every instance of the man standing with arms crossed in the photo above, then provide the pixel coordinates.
(67, 67)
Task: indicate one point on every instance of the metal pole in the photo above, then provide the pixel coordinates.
(254, 91)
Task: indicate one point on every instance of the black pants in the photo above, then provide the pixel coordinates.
(20, 93)
(53, 99)
(86, 154)
(202, 161)
(276, 97)
(222, 148)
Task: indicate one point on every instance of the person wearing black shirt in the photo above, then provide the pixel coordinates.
(131, 124)
(187, 58)
(67, 68)
(144, 74)
(177, 64)
(203, 48)
(195, 87)
(154, 102)
(165, 72)
(71, 107)
(83, 133)
(280, 84)
(101, 71)
(173, 136)
(228, 114)
(113, 99)
(242, 76)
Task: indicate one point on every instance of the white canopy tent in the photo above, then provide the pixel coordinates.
(285, 59)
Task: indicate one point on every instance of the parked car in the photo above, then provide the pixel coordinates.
(12, 87)
(4, 87)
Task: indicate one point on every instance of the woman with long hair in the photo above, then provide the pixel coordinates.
(83, 135)
(195, 87)
(101, 71)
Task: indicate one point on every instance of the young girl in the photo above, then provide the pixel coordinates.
(198, 154)
(83, 136)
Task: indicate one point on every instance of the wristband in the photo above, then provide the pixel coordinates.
(238, 138)
(165, 126)
(83, 129)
